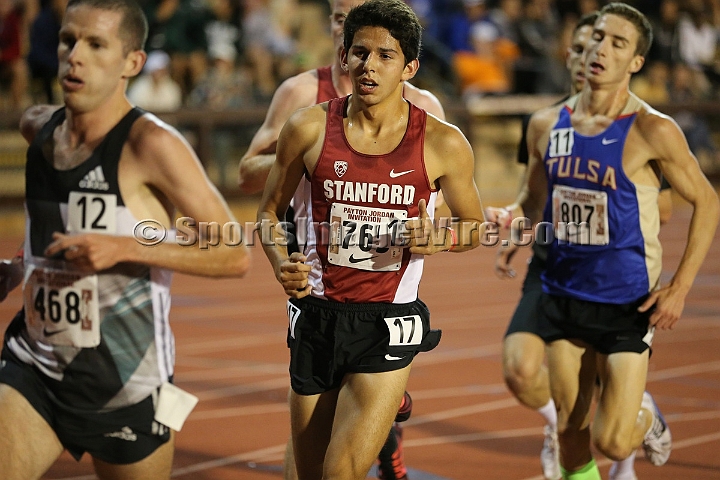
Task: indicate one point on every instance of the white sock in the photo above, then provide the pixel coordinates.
(627, 466)
(549, 413)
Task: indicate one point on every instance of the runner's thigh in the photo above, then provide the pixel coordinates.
(311, 422)
(366, 407)
(156, 466)
(28, 445)
(623, 376)
(571, 366)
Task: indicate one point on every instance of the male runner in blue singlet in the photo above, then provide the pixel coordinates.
(593, 176)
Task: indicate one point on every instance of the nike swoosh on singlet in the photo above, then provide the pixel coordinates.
(50, 334)
(399, 174)
(605, 141)
(358, 260)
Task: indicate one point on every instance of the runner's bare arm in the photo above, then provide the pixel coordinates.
(169, 166)
(451, 163)
(683, 172)
(34, 118)
(424, 99)
(294, 93)
(11, 274)
(533, 193)
(665, 205)
(298, 142)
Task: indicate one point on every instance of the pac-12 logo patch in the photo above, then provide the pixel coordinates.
(341, 167)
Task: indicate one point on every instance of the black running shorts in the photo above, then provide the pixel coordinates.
(328, 340)
(123, 436)
(608, 328)
(525, 318)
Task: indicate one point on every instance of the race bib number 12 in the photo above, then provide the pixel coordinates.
(91, 212)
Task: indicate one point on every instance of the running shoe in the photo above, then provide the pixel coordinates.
(658, 441)
(550, 455)
(391, 461)
(614, 475)
(405, 408)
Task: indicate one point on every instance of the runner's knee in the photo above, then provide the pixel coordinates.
(521, 371)
(615, 447)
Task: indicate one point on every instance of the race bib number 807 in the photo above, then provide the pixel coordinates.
(580, 215)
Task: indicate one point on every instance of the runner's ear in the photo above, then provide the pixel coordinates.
(411, 69)
(343, 60)
(134, 62)
(637, 63)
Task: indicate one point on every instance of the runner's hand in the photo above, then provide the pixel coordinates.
(11, 274)
(669, 302)
(502, 261)
(293, 276)
(499, 215)
(421, 234)
(89, 252)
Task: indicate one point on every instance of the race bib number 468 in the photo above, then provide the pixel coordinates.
(366, 238)
(61, 307)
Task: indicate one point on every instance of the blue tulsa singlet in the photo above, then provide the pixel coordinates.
(606, 246)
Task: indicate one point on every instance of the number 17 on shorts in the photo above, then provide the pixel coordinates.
(407, 330)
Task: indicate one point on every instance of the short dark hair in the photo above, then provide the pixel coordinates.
(640, 21)
(394, 16)
(133, 26)
(588, 19)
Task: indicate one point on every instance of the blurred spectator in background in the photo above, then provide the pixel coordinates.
(13, 68)
(459, 34)
(505, 17)
(698, 41)
(155, 90)
(651, 84)
(484, 65)
(540, 68)
(222, 30)
(44, 41)
(313, 42)
(683, 88)
(572, 10)
(178, 28)
(442, 22)
(225, 86)
(666, 38)
(586, 7)
(269, 50)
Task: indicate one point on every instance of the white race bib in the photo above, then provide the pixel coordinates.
(580, 216)
(365, 237)
(91, 212)
(61, 307)
(561, 142)
(407, 330)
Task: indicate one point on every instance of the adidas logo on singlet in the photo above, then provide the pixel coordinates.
(95, 180)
